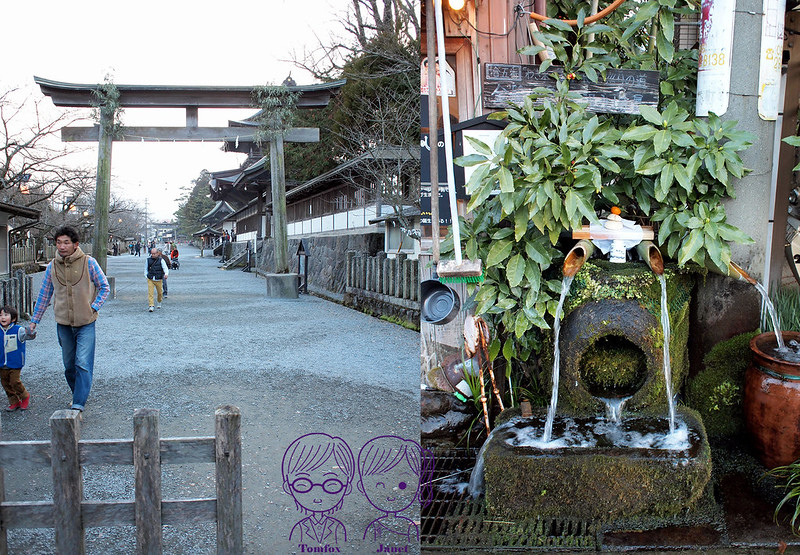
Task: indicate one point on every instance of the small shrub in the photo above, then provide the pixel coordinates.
(716, 391)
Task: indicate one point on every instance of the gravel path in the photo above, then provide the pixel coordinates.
(291, 366)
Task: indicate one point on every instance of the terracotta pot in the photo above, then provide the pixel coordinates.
(772, 402)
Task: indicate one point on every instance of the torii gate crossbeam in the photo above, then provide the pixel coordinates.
(191, 98)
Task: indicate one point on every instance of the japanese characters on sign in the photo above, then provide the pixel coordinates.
(622, 92)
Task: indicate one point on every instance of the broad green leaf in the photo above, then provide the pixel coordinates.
(521, 324)
(520, 224)
(515, 270)
(614, 151)
(571, 204)
(502, 233)
(586, 209)
(651, 114)
(476, 180)
(661, 141)
(558, 24)
(681, 177)
(499, 252)
(639, 132)
(534, 275)
(646, 11)
(537, 253)
(494, 348)
(652, 166)
(480, 146)
(506, 180)
(470, 160)
(731, 233)
(665, 228)
(508, 349)
(667, 21)
(690, 247)
(665, 48)
(589, 129)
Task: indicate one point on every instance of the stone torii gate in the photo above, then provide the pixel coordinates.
(191, 98)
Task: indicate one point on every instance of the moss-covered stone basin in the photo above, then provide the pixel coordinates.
(612, 342)
(603, 482)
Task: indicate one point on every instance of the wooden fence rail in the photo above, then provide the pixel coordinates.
(393, 277)
(69, 514)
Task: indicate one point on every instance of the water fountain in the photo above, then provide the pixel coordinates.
(622, 350)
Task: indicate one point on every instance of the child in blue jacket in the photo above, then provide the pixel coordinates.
(14, 337)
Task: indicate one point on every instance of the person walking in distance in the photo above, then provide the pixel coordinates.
(155, 271)
(78, 288)
(164, 255)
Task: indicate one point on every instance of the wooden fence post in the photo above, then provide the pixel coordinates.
(228, 432)
(147, 472)
(3, 532)
(67, 482)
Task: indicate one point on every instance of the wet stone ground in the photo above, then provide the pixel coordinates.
(291, 366)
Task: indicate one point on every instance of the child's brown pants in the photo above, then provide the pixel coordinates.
(12, 385)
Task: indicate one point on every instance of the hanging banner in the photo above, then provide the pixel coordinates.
(769, 72)
(714, 64)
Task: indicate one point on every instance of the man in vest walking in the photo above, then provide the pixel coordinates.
(156, 271)
(78, 287)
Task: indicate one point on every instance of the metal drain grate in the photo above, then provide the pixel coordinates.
(454, 520)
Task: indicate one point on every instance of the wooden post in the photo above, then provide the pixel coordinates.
(229, 479)
(279, 205)
(147, 472)
(102, 190)
(67, 482)
(3, 531)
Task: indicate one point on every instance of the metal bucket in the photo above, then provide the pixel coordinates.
(440, 304)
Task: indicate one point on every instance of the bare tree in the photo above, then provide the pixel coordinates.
(395, 21)
(376, 115)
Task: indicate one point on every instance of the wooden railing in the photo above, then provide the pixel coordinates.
(391, 277)
(70, 514)
(387, 287)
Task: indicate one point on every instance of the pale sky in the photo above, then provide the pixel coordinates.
(166, 42)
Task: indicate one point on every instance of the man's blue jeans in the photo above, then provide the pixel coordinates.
(77, 351)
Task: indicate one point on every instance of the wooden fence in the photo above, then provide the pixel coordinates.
(69, 513)
(392, 277)
(383, 286)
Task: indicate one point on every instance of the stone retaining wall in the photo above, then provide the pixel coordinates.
(329, 277)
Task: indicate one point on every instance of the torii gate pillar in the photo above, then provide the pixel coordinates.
(279, 232)
(102, 193)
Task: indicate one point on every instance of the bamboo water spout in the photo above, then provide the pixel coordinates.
(649, 252)
(735, 271)
(576, 257)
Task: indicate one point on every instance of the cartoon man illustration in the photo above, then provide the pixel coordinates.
(318, 471)
(392, 471)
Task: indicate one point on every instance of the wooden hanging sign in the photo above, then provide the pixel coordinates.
(621, 92)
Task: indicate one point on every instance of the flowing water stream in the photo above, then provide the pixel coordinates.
(566, 283)
(667, 363)
(773, 315)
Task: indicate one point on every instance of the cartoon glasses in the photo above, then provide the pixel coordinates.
(304, 485)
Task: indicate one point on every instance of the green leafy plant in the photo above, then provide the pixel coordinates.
(789, 475)
(787, 306)
(557, 165)
(725, 394)
(276, 106)
(106, 107)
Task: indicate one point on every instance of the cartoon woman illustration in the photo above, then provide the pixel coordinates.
(318, 471)
(392, 472)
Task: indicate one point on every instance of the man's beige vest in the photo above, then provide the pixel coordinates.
(73, 290)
